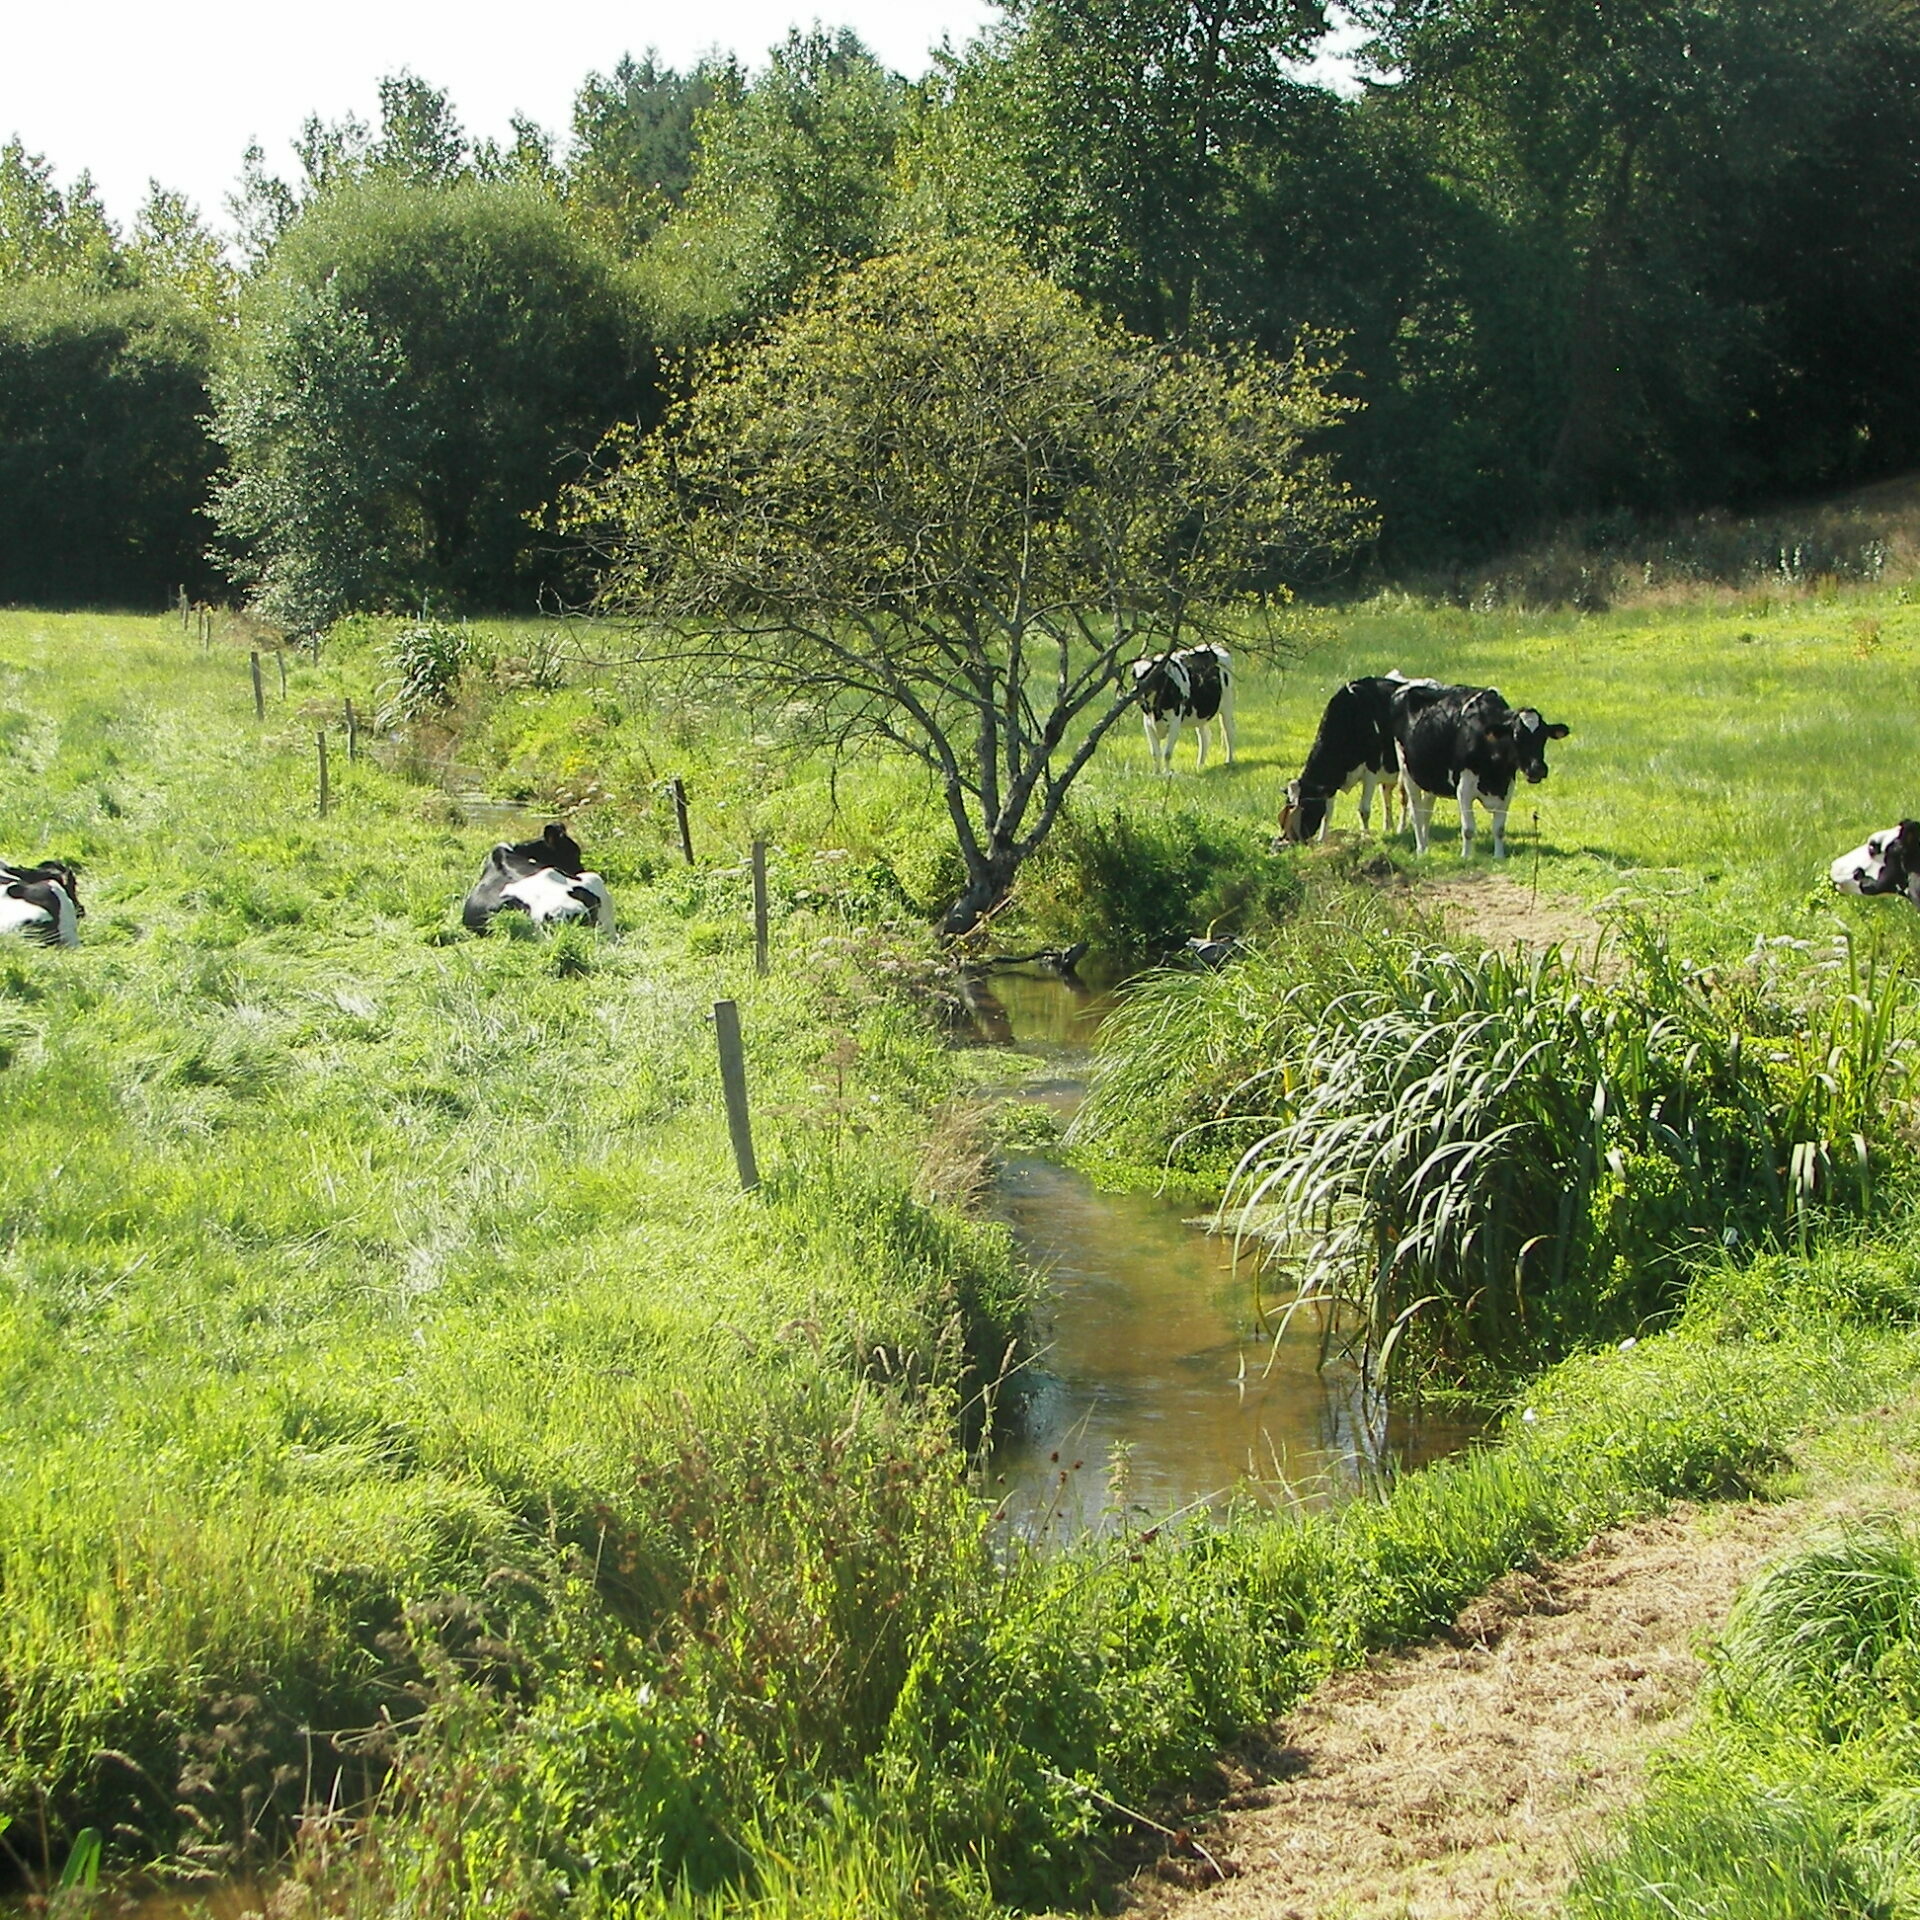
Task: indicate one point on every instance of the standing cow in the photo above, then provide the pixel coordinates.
(1468, 742)
(1355, 745)
(1195, 683)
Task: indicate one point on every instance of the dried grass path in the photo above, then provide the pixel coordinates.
(1459, 1781)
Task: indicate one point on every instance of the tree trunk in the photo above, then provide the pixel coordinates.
(989, 881)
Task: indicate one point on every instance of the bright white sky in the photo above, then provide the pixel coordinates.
(137, 89)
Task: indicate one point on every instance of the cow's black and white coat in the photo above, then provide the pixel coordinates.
(1887, 862)
(545, 879)
(1194, 683)
(1354, 746)
(1468, 742)
(42, 902)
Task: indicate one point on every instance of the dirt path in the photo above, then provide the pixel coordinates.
(1458, 1782)
(1500, 910)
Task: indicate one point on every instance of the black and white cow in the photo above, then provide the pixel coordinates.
(1194, 683)
(1468, 742)
(545, 879)
(1889, 862)
(1355, 745)
(41, 902)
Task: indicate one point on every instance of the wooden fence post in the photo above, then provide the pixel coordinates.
(180, 602)
(733, 1083)
(206, 629)
(680, 813)
(280, 654)
(759, 906)
(320, 747)
(259, 693)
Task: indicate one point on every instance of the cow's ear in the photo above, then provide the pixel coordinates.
(1558, 731)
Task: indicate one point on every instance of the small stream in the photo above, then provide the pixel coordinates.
(1155, 1389)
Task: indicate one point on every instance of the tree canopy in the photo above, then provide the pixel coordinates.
(942, 506)
(414, 377)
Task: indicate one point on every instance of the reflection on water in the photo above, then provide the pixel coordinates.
(1155, 1388)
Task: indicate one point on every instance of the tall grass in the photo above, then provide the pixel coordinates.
(1482, 1158)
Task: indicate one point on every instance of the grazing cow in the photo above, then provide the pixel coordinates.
(1355, 744)
(1889, 862)
(42, 902)
(1196, 683)
(544, 879)
(1468, 742)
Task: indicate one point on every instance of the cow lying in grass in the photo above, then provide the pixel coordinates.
(42, 902)
(1888, 862)
(545, 879)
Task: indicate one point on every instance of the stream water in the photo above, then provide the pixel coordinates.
(1157, 1388)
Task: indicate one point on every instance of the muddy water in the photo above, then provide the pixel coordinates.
(1157, 1389)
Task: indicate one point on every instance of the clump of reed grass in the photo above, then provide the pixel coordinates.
(1486, 1159)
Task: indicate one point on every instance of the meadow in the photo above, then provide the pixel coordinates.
(418, 1452)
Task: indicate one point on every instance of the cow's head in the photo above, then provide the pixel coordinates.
(62, 871)
(555, 848)
(1303, 813)
(1525, 734)
(1889, 862)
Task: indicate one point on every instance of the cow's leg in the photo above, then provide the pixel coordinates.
(1496, 805)
(1169, 741)
(1469, 786)
(1200, 732)
(1418, 803)
(1151, 727)
(1226, 719)
(1367, 781)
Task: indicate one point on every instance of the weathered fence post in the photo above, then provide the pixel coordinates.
(206, 629)
(733, 1083)
(280, 654)
(180, 601)
(320, 747)
(259, 693)
(680, 813)
(353, 733)
(759, 906)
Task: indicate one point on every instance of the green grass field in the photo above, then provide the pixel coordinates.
(382, 1322)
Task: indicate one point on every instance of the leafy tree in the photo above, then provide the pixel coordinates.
(105, 457)
(47, 234)
(942, 506)
(415, 373)
(1124, 125)
(173, 247)
(793, 178)
(1647, 148)
(317, 513)
(631, 156)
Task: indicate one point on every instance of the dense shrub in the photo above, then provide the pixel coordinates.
(1135, 883)
(105, 457)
